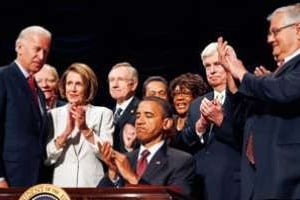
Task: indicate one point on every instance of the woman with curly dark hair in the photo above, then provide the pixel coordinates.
(183, 90)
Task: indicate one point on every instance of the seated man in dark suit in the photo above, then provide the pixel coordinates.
(167, 166)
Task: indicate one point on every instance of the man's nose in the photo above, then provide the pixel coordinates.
(43, 83)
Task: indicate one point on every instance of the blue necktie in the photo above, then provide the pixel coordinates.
(117, 115)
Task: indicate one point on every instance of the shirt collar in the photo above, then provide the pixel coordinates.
(153, 149)
(290, 57)
(124, 104)
(222, 94)
(24, 72)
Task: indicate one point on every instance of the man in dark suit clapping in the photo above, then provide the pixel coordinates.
(211, 128)
(270, 159)
(164, 165)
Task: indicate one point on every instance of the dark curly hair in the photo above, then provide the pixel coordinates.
(194, 82)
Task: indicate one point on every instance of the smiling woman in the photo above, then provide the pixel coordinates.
(184, 89)
(78, 127)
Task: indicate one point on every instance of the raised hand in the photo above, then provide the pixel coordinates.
(212, 111)
(261, 71)
(78, 114)
(70, 123)
(222, 53)
(106, 153)
(201, 124)
(229, 60)
(124, 168)
(61, 140)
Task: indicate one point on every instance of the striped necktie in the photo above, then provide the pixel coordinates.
(117, 115)
(142, 163)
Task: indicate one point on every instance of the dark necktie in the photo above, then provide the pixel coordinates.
(142, 163)
(33, 89)
(249, 149)
(117, 115)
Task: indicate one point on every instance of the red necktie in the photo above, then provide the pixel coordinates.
(279, 66)
(249, 149)
(33, 89)
(142, 163)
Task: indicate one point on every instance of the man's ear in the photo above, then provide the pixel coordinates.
(134, 85)
(17, 45)
(168, 123)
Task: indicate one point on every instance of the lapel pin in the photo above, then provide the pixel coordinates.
(157, 162)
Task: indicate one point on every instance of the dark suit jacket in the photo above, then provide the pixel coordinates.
(22, 125)
(60, 103)
(168, 167)
(127, 115)
(274, 122)
(218, 160)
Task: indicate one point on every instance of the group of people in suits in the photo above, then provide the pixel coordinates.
(242, 137)
(166, 165)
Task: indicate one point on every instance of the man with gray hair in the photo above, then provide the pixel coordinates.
(210, 135)
(123, 82)
(47, 79)
(23, 111)
(271, 161)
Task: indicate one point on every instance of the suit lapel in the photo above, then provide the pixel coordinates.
(227, 103)
(133, 157)
(128, 112)
(21, 80)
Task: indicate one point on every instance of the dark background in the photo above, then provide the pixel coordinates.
(157, 37)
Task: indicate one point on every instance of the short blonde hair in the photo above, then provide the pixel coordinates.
(89, 79)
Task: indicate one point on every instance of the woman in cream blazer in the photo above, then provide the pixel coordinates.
(78, 127)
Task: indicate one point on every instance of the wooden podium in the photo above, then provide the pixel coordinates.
(124, 193)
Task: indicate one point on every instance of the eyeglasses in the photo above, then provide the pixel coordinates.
(275, 31)
(183, 93)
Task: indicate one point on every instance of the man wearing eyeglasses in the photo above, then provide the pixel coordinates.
(271, 161)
